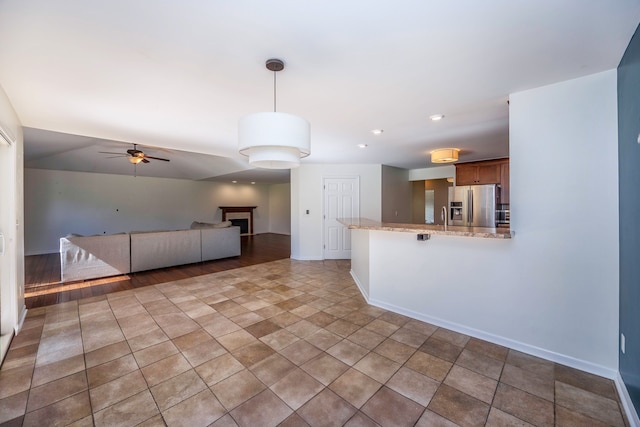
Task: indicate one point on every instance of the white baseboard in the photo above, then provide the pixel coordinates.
(506, 342)
(627, 404)
(23, 316)
(307, 258)
(40, 253)
(364, 293)
(582, 365)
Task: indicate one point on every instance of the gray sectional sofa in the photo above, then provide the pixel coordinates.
(90, 257)
(160, 249)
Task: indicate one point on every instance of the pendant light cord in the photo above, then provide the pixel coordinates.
(274, 91)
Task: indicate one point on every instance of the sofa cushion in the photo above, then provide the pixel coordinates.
(195, 225)
(164, 249)
(223, 224)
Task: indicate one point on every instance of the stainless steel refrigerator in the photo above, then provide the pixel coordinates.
(473, 205)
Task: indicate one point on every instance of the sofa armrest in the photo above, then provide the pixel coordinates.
(220, 243)
(90, 257)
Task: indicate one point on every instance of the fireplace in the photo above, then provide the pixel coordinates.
(243, 223)
(241, 216)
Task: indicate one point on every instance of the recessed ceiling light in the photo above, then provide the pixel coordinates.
(235, 182)
(362, 145)
(437, 117)
(377, 131)
(253, 182)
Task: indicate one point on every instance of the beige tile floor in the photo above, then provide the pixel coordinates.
(283, 343)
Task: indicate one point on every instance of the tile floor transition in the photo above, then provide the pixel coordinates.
(282, 343)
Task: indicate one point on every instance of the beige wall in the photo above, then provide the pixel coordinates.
(280, 208)
(396, 195)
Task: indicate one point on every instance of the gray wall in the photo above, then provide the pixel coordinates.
(417, 202)
(629, 195)
(440, 189)
(58, 203)
(396, 195)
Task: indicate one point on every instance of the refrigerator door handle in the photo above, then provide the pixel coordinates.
(469, 207)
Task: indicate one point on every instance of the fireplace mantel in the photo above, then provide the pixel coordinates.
(239, 209)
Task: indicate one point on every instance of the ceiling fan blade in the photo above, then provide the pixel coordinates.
(145, 161)
(156, 158)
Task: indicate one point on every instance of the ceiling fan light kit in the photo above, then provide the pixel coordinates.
(135, 156)
(274, 140)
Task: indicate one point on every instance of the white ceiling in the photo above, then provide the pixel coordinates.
(61, 151)
(178, 75)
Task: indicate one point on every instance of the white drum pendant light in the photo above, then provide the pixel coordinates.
(274, 140)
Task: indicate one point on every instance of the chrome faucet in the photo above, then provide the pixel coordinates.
(444, 217)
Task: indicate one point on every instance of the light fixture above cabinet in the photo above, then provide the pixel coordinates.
(445, 155)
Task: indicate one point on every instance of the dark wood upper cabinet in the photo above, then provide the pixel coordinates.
(485, 172)
(488, 174)
(466, 174)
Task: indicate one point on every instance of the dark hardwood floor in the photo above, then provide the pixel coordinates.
(42, 272)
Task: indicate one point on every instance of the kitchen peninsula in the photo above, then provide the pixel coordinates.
(369, 224)
(451, 279)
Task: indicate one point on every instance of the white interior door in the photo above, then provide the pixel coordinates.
(341, 200)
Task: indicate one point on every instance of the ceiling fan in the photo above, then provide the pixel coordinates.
(135, 156)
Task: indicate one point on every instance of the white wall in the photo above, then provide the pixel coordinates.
(564, 207)
(552, 290)
(60, 202)
(436, 172)
(11, 225)
(396, 195)
(307, 194)
(360, 260)
(280, 208)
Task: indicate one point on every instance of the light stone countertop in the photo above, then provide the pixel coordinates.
(369, 224)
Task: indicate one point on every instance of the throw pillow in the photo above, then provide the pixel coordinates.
(196, 225)
(223, 224)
